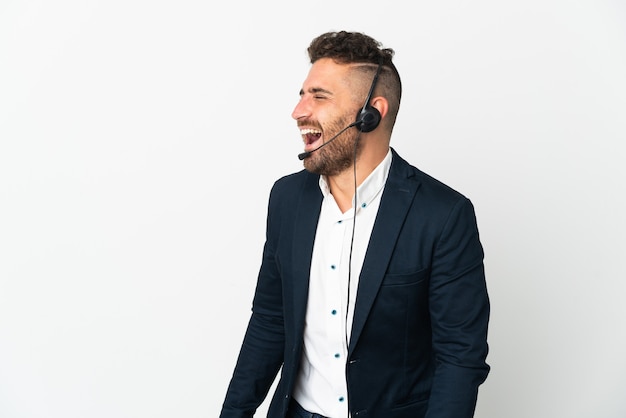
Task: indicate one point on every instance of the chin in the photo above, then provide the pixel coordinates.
(312, 166)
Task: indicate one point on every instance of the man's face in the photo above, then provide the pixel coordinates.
(327, 105)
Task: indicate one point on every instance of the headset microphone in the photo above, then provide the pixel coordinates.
(307, 154)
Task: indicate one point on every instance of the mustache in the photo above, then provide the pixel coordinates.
(310, 123)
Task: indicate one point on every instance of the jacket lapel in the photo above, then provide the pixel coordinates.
(308, 211)
(395, 203)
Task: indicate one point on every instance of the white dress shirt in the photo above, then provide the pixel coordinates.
(321, 383)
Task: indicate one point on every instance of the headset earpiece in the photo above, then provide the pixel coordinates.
(369, 117)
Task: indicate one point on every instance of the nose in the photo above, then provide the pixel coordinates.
(302, 109)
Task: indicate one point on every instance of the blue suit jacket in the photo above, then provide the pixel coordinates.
(419, 337)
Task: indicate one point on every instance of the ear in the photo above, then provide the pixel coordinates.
(382, 105)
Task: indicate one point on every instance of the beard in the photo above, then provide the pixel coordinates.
(337, 156)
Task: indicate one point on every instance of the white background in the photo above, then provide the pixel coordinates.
(139, 141)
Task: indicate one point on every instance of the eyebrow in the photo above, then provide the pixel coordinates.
(314, 90)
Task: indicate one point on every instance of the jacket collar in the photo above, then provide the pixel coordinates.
(397, 198)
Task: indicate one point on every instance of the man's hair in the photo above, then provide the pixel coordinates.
(357, 48)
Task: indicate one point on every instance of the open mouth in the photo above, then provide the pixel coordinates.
(310, 137)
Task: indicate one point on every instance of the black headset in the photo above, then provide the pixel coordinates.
(369, 117)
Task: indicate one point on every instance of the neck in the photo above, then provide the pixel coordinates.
(342, 185)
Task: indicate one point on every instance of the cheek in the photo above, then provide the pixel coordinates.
(338, 123)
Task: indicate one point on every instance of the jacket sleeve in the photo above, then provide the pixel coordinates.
(261, 354)
(459, 308)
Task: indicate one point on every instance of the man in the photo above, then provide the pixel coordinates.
(383, 314)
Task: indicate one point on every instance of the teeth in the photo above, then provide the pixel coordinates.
(309, 131)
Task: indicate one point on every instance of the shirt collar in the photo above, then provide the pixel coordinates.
(371, 187)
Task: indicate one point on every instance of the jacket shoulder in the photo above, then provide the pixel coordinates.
(428, 185)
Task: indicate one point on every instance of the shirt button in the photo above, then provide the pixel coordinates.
(363, 205)
(337, 355)
(341, 399)
(332, 266)
(333, 312)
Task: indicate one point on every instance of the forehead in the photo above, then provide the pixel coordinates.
(326, 74)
